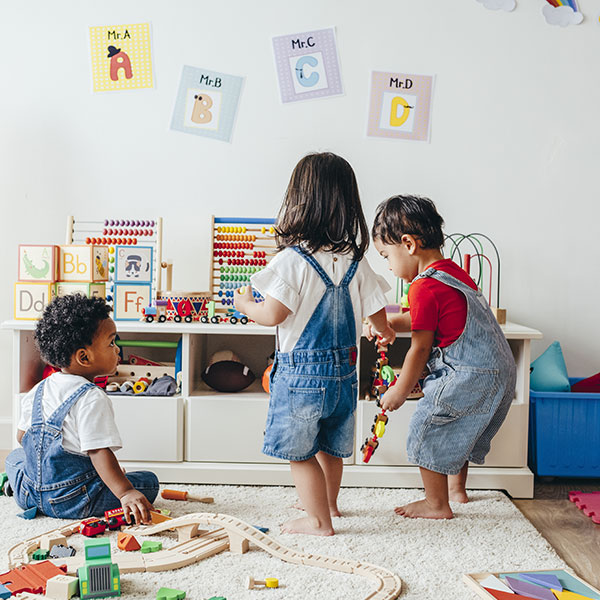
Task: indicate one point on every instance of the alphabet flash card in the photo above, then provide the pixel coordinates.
(307, 65)
(400, 106)
(121, 57)
(206, 103)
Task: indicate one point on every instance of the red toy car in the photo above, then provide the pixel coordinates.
(92, 527)
(115, 518)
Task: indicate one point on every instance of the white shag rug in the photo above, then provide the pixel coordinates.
(488, 534)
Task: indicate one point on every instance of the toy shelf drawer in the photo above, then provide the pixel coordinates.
(564, 435)
(227, 427)
(151, 427)
(508, 449)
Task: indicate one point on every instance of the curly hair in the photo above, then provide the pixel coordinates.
(322, 209)
(67, 324)
(413, 215)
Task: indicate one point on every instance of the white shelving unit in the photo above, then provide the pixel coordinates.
(203, 436)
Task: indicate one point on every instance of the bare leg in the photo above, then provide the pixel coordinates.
(332, 467)
(435, 505)
(310, 483)
(457, 486)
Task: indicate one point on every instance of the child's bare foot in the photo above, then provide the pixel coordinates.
(458, 496)
(306, 525)
(333, 511)
(423, 510)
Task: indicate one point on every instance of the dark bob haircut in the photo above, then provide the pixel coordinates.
(67, 324)
(322, 209)
(413, 215)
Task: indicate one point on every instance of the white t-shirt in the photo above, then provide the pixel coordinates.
(89, 425)
(290, 279)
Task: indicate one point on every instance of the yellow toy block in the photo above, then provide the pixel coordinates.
(31, 298)
(63, 288)
(83, 263)
(566, 595)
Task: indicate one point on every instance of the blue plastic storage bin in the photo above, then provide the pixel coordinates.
(564, 433)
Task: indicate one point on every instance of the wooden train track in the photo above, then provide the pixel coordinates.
(194, 544)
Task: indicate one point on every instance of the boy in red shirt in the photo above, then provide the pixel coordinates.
(455, 335)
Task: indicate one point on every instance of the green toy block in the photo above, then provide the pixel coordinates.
(170, 594)
(217, 598)
(3, 480)
(150, 546)
(40, 554)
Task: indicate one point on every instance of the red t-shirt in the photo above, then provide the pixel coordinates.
(435, 306)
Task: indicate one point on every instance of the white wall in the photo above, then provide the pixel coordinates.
(514, 147)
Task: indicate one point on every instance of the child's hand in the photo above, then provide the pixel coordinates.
(386, 337)
(367, 330)
(391, 400)
(244, 298)
(136, 507)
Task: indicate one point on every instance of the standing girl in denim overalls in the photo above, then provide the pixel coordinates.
(317, 290)
(456, 336)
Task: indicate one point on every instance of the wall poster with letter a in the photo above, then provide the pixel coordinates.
(400, 106)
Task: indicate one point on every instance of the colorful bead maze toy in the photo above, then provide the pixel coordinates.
(240, 247)
(384, 377)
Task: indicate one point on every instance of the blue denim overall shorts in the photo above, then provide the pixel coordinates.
(62, 484)
(468, 392)
(314, 388)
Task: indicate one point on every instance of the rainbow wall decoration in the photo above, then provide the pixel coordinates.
(562, 12)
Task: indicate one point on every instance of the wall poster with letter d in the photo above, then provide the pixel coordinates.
(400, 106)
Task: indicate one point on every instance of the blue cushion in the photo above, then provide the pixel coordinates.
(549, 372)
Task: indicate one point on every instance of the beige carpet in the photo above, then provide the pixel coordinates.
(429, 556)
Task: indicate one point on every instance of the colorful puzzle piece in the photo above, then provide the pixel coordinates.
(588, 502)
(500, 595)
(4, 592)
(566, 595)
(529, 589)
(151, 546)
(30, 513)
(494, 583)
(549, 581)
(170, 594)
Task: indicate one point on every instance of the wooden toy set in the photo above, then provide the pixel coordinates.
(98, 573)
(46, 271)
(528, 585)
(134, 257)
(240, 247)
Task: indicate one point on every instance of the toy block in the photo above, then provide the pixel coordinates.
(179, 495)
(83, 263)
(3, 480)
(495, 584)
(54, 538)
(63, 288)
(500, 595)
(262, 529)
(4, 592)
(31, 298)
(30, 513)
(40, 554)
(237, 543)
(38, 263)
(567, 595)
(127, 542)
(30, 577)
(529, 589)
(151, 546)
(217, 598)
(500, 314)
(62, 587)
(130, 299)
(169, 594)
(99, 577)
(133, 264)
(158, 517)
(548, 581)
(61, 551)
(588, 502)
(269, 582)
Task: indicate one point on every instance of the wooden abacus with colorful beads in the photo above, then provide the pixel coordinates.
(240, 248)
